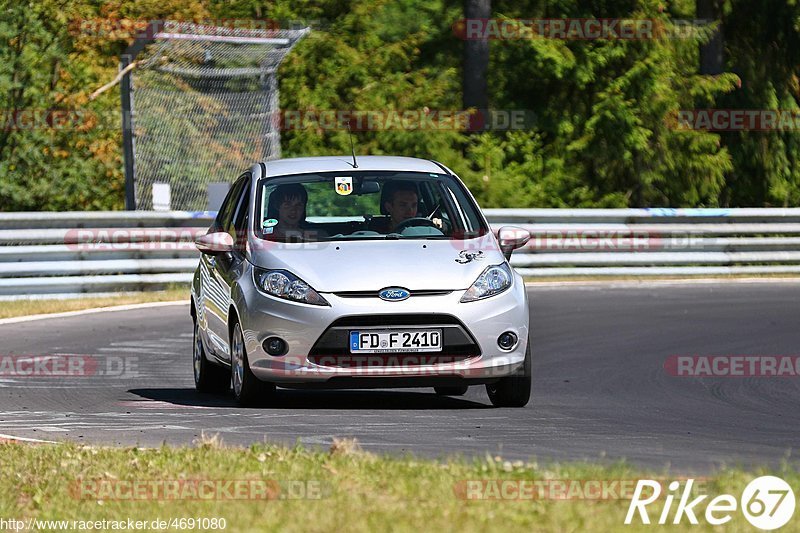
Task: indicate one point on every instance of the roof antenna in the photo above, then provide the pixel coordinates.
(352, 148)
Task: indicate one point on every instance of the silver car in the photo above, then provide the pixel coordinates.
(379, 272)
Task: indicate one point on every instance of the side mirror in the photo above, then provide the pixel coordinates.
(215, 243)
(511, 238)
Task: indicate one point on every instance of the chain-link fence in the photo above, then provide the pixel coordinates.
(203, 106)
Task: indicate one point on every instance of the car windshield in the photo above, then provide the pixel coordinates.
(361, 205)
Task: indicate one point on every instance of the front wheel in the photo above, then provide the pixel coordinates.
(513, 391)
(208, 377)
(247, 388)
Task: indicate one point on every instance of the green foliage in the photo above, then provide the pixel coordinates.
(48, 69)
(604, 110)
(763, 47)
(44, 167)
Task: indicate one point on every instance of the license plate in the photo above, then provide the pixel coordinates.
(396, 341)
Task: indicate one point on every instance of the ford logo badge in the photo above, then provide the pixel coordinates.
(394, 294)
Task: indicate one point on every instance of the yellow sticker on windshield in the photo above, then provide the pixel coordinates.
(344, 185)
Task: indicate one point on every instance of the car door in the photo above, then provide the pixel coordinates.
(229, 266)
(213, 269)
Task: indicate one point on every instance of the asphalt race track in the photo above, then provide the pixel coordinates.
(600, 388)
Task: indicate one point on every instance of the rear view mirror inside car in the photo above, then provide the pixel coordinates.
(367, 187)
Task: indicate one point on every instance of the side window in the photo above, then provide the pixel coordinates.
(223, 220)
(468, 219)
(238, 226)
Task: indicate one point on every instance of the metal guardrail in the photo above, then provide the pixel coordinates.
(655, 242)
(82, 252)
(91, 252)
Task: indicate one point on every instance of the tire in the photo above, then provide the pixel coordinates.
(247, 388)
(451, 391)
(208, 377)
(513, 391)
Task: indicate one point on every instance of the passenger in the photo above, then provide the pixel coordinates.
(286, 215)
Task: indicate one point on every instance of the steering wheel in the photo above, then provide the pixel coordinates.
(414, 222)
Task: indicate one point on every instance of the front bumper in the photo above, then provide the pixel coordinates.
(301, 326)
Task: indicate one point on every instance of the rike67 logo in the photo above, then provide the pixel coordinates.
(767, 503)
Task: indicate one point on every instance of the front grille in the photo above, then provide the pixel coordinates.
(333, 349)
(374, 294)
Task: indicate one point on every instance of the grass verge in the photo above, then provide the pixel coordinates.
(343, 489)
(14, 308)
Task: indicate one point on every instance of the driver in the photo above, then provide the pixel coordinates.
(401, 203)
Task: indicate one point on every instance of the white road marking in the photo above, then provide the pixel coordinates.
(130, 307)
(157, 404)
(140, 344)
(134, 428)
(133, 349)
(24, 439)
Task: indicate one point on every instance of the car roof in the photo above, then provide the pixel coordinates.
(304, 165)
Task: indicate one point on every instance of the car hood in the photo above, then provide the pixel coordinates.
(373, 265)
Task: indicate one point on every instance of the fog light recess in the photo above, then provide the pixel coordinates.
(274, 346)
(507, 341)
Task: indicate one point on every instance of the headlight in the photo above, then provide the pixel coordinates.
(286, 285)
(494, 280)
